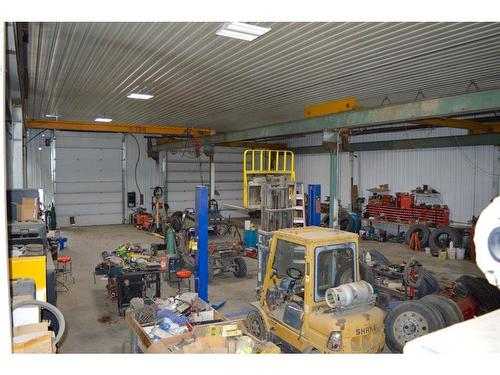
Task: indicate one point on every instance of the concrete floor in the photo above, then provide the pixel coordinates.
(93, 323)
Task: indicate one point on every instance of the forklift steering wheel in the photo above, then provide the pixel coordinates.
(294, 273)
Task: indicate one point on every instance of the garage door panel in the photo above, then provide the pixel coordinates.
(95, 219)
(88, 178)
(87, 187)
(188, 177)
(89, 209)
(183, 167)
(88, 140)
(178, 157)
(90, 198)
(71, 154)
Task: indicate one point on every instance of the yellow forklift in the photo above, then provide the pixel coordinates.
(312, 299)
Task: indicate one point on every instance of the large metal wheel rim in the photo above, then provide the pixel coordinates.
(408, 326)
(256, 325)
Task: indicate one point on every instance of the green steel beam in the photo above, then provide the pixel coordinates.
(475, 102)
(333, 208)
(416, 143)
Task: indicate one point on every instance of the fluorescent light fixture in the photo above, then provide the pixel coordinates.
(39, 148)
(103, 119)
(52, 116)
(240, 30)
(139, 96)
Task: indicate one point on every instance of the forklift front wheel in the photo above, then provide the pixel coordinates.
(256, 326)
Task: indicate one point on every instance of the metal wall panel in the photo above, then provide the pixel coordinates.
(464, 175)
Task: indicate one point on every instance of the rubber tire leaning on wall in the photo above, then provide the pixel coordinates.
(453, 235)
(424, 233)
(433, 322)
(448, 312)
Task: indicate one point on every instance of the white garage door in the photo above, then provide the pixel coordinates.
(88, 178)
(185, 172)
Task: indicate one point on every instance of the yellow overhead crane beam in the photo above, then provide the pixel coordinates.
(349, 104)
(117, 128)
(254, 145)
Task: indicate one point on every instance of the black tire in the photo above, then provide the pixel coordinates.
(439, 317)
(423, 234)
(256, 326)
(440, 239)
(347, 223)
(240, 269)
(429, 285)
(366, 273)
(447, 311)
(176, 223)
(492, 292)
(407, 321)
(476, 289)
(379, 257)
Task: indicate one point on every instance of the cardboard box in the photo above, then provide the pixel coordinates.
(27, 210)
(33, 339)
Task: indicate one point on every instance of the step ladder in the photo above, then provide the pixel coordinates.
(299, 206)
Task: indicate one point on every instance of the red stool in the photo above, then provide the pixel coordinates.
(183, 275)
(65, 272)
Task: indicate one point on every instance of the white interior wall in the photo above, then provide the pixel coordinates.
(464, 175)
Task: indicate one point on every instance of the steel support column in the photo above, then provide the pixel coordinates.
(201, 227)
(331, 140)
(496, 171)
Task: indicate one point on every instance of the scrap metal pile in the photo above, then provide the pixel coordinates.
(417, 304)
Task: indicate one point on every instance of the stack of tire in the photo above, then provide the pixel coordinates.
(438, 239)
(412, 319)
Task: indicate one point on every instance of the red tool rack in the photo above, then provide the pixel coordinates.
(439, 216)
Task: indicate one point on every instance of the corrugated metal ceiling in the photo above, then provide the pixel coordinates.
(199, 79)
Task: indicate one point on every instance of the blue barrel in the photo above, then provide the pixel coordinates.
(250, 238)
(62, 242)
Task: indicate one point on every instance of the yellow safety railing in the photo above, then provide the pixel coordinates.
(265, 162)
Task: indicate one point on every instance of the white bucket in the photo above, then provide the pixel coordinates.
(427, 250)
(460, 253)
(451, 253)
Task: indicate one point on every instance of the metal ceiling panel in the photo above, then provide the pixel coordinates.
(199, 79)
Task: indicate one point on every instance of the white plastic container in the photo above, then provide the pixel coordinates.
(460, 253)
(452, 253)
(427, 250)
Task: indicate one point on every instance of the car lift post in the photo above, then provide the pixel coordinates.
(314, 206)
(201, 226)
